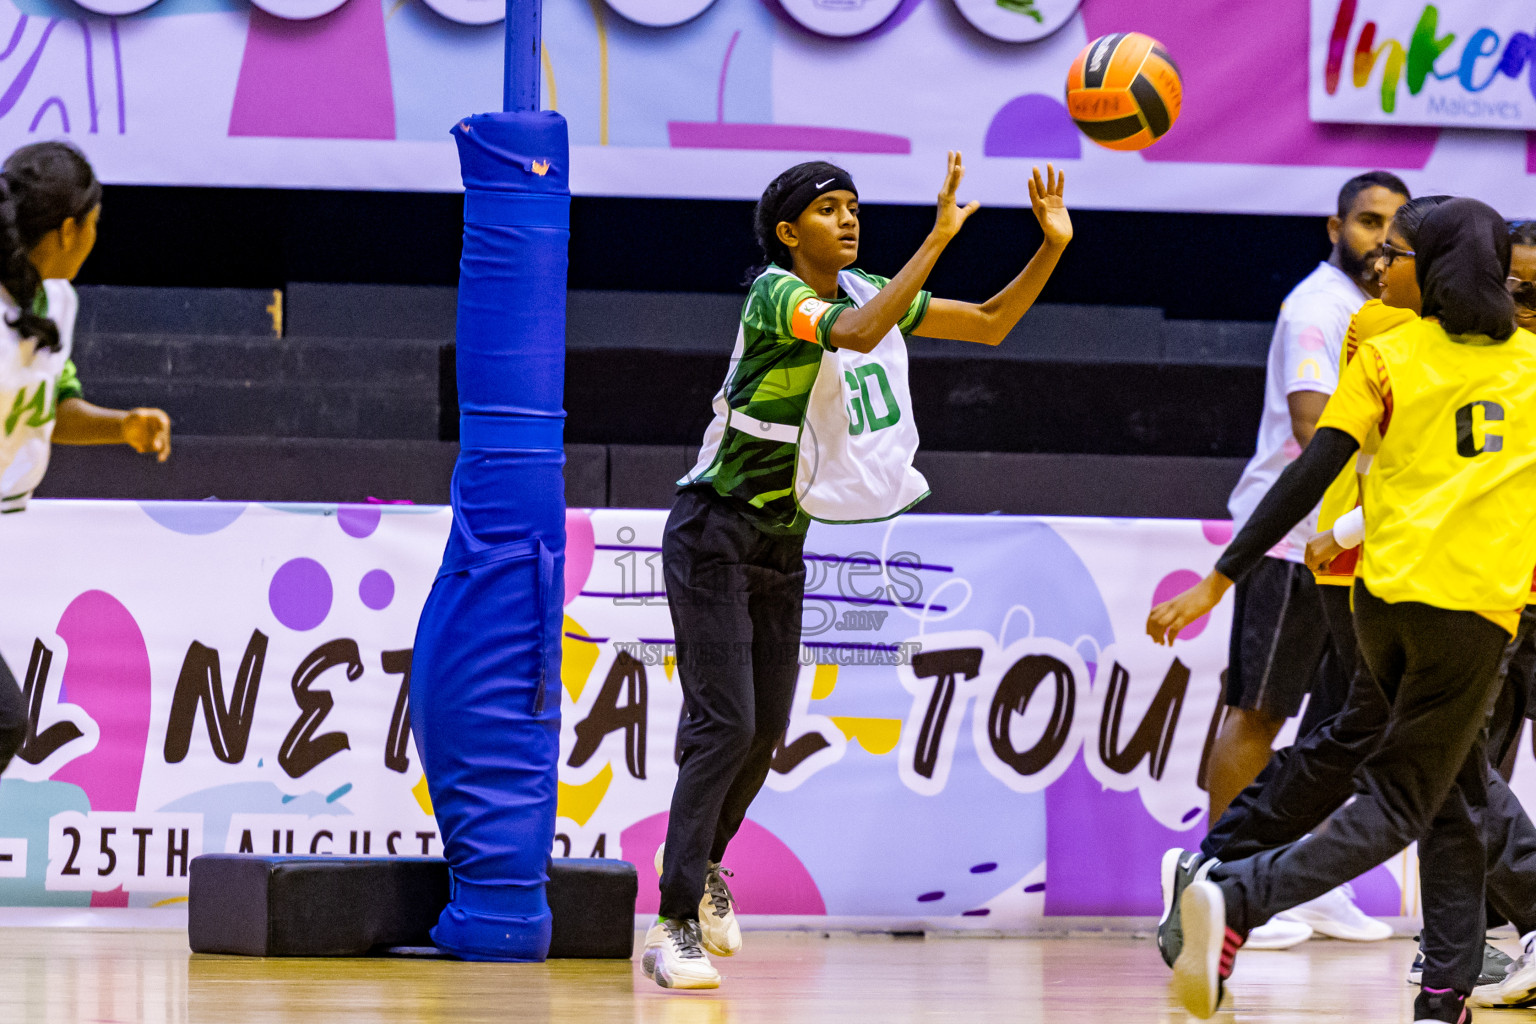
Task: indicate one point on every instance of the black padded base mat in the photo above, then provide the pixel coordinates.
(260, 905)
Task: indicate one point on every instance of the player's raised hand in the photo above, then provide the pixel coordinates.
(951, 215)
(1046, 199)
(1170, 617)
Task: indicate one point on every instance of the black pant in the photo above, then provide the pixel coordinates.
(13, 719)
(1304, 783)
(1330, 690)
(1514, 703)
(1427, 780)
(735, 595)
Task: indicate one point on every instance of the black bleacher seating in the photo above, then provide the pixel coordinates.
(1083, 410)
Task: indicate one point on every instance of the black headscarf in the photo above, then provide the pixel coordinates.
(1462, 261)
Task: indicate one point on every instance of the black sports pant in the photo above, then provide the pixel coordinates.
(1304, 783)
(1427, 780)
(735, 595)
(13, 719)
(1514, 703)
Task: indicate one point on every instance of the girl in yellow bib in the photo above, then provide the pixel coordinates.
(1304, 783)
(1449, 547)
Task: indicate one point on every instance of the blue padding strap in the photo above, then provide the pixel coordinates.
(516, 209)
(547, 593)
(479, 430)
(499, 900)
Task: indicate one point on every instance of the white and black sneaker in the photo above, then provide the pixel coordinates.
(674, 958)
(719, 931)
(717, 914)
(1179, 868)
(1518, 987)
(1496, 967)
(1208, 950)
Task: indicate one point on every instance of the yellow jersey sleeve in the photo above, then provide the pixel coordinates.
(1373, 318)
(1363, 400)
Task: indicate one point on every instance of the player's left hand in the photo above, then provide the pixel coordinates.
(1046, 199)
(148, 430)
(1170, 617)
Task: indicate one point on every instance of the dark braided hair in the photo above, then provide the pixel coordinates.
(765, 219)
(41, 186)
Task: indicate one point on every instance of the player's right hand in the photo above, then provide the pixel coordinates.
(148, 431)
(951, 215)
(1047, 199)
(1169, 618)
(1322, 549)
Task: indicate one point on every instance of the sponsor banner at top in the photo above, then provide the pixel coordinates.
(1456, 63)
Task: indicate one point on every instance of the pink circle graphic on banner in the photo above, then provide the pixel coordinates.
(358, 520)
(300, 595)
(1217, 531)
(580, 547)
(107, 674)
(377, 589)
(1174, 584)
(770, 878)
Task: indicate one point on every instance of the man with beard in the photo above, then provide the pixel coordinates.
(1280, 634)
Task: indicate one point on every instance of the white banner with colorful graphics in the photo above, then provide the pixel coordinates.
(982, 736)
(713, 98)
(1455, 63)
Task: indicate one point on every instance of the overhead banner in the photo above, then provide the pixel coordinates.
(981, 735)
(713, 98)
(1455, 63)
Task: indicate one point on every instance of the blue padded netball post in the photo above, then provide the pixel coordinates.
(485, 701)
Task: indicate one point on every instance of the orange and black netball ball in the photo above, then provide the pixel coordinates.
(1124, 91)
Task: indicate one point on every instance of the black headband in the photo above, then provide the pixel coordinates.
(794, 202)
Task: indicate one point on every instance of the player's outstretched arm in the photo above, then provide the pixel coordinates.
(144, 430)
(862, 328)
(989, 322)
(1295, 494)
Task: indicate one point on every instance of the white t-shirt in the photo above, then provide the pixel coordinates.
(1303, 356)
(29, 395)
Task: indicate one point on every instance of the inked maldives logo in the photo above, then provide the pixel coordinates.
(1484, 56)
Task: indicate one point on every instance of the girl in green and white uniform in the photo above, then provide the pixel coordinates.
(50, 202)
(813, 421)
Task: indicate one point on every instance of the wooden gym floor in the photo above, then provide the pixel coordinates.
(65, 976)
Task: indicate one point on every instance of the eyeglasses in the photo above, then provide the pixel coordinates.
(1390, 252)
(1523, 291)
